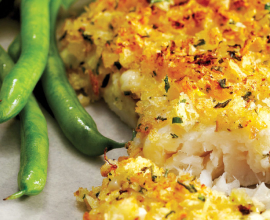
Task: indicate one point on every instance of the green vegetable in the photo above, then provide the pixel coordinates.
(222, 83)
(77, 125)
(174, 135)
(267, 6)
(222, 104)
(34, 141)
(201, 197)
(200, 43)
(157, 1)
(177, 120)
(191, 188)
(67, 3)
(20, 82)
(167, 84)
(75, 122)
(14, 47)
(171, 212)
(246, 96)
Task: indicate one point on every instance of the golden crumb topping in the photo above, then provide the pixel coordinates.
(215, 54)
(138, 189)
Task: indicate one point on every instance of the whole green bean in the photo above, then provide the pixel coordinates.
(34, 141)
(20, 82)
(75, 122)
(14, 47)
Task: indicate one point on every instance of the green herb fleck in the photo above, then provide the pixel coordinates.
(201, 197)
(222, 83)
(155, 73)
(177, 120)
(146, 128)
(141, 190)
(127, 93)
(171, 212)
(222, 104)
(267, 6)
(240, 126)
(83, 69)
(200, 43)
(246, 96)
(116, 4)
(167, 84)
(157, 1)
(161, 118)
(97, 194)
(63, 36)
(231, 21)
(183, 101)
(86, 37)
(154, 178)
(234, 56)
(266, 155)
(191, 188)
(98, 65)
(166, 173)
(83, 196)
(118, 65)
(217, 68)
(174, 135)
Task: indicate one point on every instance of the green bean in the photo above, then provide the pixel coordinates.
(14, 47)
(75, 122)
(20, 82)
(34, 141)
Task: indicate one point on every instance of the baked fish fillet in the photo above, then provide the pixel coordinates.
(193, 77)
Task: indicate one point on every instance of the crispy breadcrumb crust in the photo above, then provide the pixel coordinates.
(215, 52)
(138, 189)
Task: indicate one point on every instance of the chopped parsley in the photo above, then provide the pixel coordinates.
(155, 73)
(97, 194)
(83, 69)
(201, 197)
(126, 93)
(141, 190)
(183, 101)
(167, 84)
(217, 68)
(171, 212)
(157, 1)
(222, 104)
(98, 65)
(200, 43)
(191, 188)
(267, 6)
(118, 65)
(234, 56)
(246, 96)
(166, 173)
(174, 135)
(154, 178)
(63, 36)
(222, 83)
(86, 37)
(177, 120)
(105, 81)
(161, 118)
